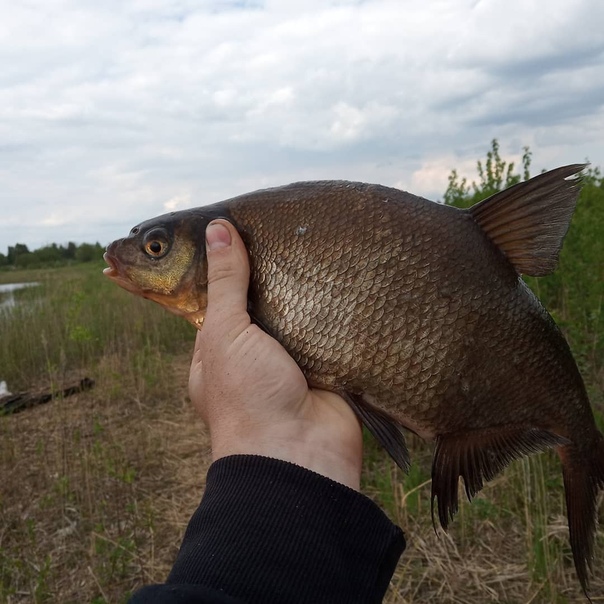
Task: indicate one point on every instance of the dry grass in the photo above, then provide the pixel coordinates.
(97, 489)
(489, 554)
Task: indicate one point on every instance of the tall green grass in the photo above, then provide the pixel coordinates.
(75, 318)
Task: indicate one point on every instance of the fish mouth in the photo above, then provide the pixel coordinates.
(116, 273)
(112, 270)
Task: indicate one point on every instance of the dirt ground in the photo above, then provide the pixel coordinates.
(97, 489)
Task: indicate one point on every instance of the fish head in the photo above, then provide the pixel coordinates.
(164, 260)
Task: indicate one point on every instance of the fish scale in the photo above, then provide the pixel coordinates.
(412, 311)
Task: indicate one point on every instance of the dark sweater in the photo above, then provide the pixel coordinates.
(267, 531)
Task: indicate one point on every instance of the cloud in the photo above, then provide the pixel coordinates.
(113, 112)
(178, 202)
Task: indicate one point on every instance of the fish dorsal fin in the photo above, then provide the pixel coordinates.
(478, 456)
(384, 429)
(528, 221)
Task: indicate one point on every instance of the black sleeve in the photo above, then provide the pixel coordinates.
(267, 531)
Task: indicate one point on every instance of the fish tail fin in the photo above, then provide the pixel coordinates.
(583, 479)
(599, 461)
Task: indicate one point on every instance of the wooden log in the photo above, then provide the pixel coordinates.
(13, 403)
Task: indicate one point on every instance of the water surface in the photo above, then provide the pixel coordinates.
(7, 299)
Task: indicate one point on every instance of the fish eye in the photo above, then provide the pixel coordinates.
(156, 243)
(155, 247)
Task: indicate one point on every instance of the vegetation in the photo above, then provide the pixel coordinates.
(97, 488)
(74, 320)
(52, 255)
(494, 175)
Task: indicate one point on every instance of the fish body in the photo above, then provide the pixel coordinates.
(414, 312)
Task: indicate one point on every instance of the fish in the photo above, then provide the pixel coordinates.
(415, 312)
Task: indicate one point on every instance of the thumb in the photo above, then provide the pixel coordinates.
(228, 272)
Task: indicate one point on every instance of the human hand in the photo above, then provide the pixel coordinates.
(250, 392)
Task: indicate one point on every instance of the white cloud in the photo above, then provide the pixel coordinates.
(53, 220)
(178, 202)
(112, 112)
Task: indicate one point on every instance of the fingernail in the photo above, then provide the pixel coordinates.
(217, 236)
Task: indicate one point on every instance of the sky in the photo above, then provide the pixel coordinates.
(114, 112)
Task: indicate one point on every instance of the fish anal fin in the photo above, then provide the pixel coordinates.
(386, 430)
(528, 221)
(478, 456)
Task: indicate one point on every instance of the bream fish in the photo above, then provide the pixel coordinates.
(414, 312)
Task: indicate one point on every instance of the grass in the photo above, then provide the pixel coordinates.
(97, 488)
(509, 545)
(76, 318)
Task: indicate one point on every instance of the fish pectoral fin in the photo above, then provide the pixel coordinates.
(478, 456)
(528, 221)
(386, 430)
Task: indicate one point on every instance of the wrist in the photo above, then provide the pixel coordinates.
(312, 447)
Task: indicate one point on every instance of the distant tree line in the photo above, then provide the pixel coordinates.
(19, 255)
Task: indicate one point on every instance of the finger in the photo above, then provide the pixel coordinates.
(228, 270)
